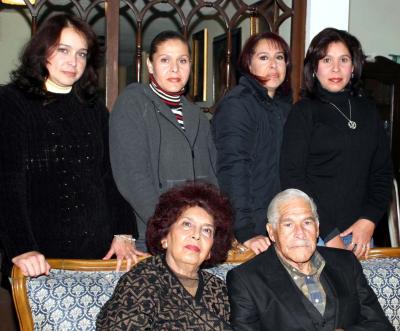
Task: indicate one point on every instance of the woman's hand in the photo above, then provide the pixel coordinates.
(258, 244)
(32, 264)
(123, 247)
(336, 242)
(362, 232)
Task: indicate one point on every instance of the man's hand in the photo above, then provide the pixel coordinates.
(123, 247)
(32, 264)
(362, 231)
(258, 244)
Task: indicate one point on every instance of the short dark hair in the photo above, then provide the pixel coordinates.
(163, 37)
(32, 72)
(317, 50)
(175, 201)
(249, 49)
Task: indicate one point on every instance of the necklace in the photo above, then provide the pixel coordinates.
(352, 124)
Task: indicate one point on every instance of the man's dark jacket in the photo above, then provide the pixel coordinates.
(263, 296)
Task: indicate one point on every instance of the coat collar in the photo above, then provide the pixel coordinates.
(191, 114)
(260, 92)
(284, 288)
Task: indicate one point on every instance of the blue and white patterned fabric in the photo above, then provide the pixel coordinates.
(383, 276)
(221, 270)
(70, 300)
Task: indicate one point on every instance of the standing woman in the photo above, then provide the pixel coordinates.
(247, 129)
(57, 196)
(334, 146)
(158, 139)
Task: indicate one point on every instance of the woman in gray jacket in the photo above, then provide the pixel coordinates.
(158, 139)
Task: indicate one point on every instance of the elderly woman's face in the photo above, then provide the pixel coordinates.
(67, 62)
(190, 238)
(335, 68)
(170, 65)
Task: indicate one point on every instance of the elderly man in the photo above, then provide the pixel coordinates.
(296, 286)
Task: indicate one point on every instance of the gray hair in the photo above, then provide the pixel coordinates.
(291, 193)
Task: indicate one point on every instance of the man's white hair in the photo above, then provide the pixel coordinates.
(289, 194)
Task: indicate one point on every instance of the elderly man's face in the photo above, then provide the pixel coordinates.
(296, 233)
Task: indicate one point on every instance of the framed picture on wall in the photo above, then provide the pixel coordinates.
(220, 44)
(198, 86)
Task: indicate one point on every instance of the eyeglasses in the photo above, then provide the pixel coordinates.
(206, 230)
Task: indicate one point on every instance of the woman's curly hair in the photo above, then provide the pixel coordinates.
(32, 73)
(175, 201)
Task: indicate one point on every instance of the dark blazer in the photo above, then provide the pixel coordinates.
(263, 297)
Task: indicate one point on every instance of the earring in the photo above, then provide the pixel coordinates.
(313, 74)
(352, 75)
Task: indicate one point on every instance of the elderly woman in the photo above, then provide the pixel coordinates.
(191, 228)
(248, 128)
(334, 146)
(57, 194)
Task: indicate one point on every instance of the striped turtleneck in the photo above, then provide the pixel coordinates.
(171, 99)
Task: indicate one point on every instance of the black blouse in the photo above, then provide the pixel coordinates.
(348, 172)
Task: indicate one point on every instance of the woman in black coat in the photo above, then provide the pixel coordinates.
(247, 129)
(334, 146)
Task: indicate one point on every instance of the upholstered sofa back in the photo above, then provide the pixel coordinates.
(71, 300)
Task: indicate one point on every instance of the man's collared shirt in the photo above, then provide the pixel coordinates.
(310, 285)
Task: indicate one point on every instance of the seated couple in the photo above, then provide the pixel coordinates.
(294, 285)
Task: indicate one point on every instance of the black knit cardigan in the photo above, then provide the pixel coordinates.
(57, 195)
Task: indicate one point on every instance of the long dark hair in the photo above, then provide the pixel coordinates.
(32, 73)
(249, 49)
(317, 50)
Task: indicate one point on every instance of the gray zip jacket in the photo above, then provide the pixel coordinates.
(150, 153)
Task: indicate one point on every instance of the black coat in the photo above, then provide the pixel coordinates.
(247, 129)
(264, 297)
(347, 172)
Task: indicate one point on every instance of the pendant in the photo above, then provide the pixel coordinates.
(352, 125)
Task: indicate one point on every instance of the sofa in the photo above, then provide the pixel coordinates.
(70, 297)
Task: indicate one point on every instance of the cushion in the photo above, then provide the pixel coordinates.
(383, 276)
(69, 300)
